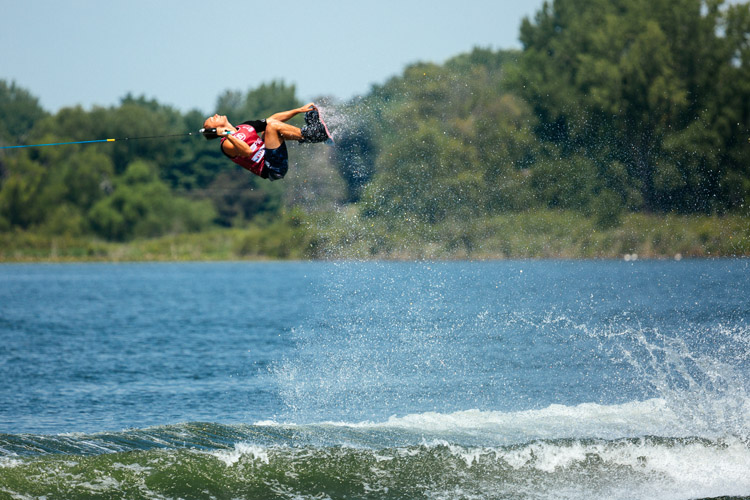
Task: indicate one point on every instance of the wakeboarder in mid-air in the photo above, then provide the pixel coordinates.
(259, 145)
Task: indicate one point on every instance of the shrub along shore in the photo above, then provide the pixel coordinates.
(545, 234)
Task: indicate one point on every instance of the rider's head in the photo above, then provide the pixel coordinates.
(213, 122)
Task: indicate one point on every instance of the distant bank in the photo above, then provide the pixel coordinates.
(347, 235)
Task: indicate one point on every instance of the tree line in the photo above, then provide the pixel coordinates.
(610, 107)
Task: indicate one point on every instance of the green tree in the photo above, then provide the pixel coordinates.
(141, 205)
(196, 163)
(19, 112)
(257, 103)
(427, 175)
(72, 188)
(239, 196)
(355, 158)
(465, 101)
(20, 194)
(625, 81)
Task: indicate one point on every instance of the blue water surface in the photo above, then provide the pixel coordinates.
(95, 347)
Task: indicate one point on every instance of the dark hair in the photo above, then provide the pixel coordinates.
(209, 133)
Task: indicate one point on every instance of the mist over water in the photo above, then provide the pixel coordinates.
(393, 339)
(539, 379)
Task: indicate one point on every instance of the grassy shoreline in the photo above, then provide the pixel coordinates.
(347, 235)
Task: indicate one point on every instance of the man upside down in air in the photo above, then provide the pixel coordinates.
(259, 145)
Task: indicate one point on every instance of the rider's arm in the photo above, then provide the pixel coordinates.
(236, 147)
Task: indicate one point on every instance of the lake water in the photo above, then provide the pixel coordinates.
(451, 380)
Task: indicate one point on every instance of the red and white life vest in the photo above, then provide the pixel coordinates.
(256, 161)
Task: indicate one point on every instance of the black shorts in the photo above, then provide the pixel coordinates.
(277, 163)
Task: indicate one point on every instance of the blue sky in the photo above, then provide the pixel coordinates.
(185, 53)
